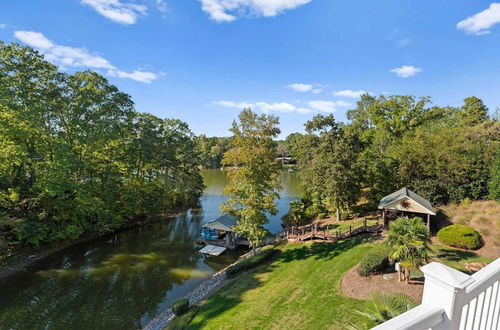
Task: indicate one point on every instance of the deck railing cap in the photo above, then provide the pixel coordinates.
(446, 275)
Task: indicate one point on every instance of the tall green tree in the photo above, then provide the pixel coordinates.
(76, 157)
(254, 181)
(296, 215)
(494, 181)
(473, 112)
(333, 170)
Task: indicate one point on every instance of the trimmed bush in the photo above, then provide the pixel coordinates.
(181, 322)
(251, 262)
(460, 236)
(180, 306)
(374, 262)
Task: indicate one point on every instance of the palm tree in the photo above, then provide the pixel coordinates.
(296, 214)
(383, 307)
(409, 241)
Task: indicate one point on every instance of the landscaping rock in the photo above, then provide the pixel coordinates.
(475, 266)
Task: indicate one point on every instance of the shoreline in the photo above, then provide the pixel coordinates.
(28, 256)
(198, 295)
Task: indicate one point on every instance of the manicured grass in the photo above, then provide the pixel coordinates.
(299, 290)
(457, 258)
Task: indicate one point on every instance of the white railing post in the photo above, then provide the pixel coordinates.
(445, 287)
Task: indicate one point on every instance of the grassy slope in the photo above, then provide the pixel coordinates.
(457, 258)
(299, 290)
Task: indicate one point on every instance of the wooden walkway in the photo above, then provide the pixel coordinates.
(325, 233)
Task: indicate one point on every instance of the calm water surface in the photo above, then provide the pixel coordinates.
(121, 281)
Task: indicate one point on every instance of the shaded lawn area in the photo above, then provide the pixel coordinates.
(456, 258)
(299, 290)
(344, 225)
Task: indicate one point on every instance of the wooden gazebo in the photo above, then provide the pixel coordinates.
(405, 200)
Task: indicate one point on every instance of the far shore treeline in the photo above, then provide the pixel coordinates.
(76, 157)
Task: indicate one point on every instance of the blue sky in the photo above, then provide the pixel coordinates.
(203, 60)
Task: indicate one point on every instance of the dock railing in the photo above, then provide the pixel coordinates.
(453, 300)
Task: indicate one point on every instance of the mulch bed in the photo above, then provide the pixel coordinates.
(355, 286)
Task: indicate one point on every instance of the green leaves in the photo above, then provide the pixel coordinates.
(409, 241)
(254, 184)
(75, 156)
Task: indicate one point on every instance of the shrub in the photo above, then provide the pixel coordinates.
(180, 306)
(181, 322)
(251, 262)
(374, 262)
(322, 215)
(314, 210)
(460, 236)
(344, 215)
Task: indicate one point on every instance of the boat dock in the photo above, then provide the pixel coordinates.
(213, 250)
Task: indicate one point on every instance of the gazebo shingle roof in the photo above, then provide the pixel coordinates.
(406, 193)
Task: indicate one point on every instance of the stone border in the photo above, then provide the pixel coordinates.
(195, 296)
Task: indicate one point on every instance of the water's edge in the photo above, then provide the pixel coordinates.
(29, 257)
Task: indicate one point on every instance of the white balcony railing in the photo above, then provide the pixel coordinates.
(453, 300)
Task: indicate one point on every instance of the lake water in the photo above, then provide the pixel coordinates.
(123, 280)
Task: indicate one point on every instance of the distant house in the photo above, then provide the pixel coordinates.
(405, 200)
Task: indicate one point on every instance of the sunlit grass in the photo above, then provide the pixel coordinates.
(299, 290)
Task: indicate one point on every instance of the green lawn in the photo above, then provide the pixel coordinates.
(343, 226)
(457, 258)
(299, 290)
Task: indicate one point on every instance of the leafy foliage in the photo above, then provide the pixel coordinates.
(180, 306)
(76, 157)
(494, 182)
(254, 182)
(253, 261)
(296, 215)
(330, 166)
(460, 236)
(181, 322)
(409, 242)
(374, 262)
(383, 307)
(212, 150)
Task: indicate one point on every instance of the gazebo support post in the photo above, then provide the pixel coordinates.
(383, 217)
(428, 222)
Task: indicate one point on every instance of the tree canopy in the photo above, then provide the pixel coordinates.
(254, 179)
(75, 156)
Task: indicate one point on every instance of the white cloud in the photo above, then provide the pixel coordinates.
(265, 107)
(350, 93)
(327, 106)
(66, 56)
(261, 106)
(301, 87)
(481, 22)
(406, 71)
(116, 11)
(313, 106)
(230, 10)
(162, 6)
(137, 75)
(313, 88)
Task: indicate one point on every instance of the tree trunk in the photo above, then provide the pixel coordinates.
(338, 211)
